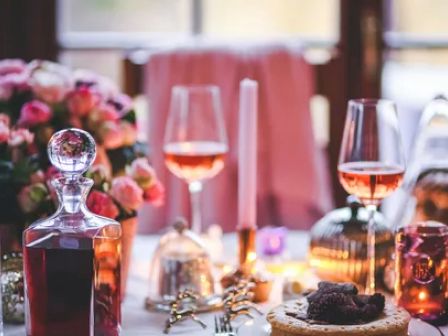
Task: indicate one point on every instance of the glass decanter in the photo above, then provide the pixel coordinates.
(72, 259)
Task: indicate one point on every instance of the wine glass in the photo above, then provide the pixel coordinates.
(195, 140)
(371, 161)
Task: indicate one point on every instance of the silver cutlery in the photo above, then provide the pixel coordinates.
(223, 327)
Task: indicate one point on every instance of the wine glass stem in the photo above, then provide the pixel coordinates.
(195, 188)
(370, 284)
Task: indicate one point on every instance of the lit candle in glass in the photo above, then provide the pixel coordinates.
(272, 240)
(422, 266)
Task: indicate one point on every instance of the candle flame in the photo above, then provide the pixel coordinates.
(422, 296)
(251, 256)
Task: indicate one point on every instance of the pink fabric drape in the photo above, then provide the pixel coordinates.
(293, 187)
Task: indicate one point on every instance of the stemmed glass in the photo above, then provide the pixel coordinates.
(195, 140)
(371, 161)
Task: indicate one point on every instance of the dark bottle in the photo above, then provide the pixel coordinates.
(72, 259)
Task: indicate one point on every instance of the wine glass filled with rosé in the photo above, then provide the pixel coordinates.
(195, 141)
(371, 161)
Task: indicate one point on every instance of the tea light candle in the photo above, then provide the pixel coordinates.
(273, 240)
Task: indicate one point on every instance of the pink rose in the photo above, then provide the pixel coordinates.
(103, 112)
(129, 133)
(14, 75)
(31, 196)
(155, 194)
(103, 85)
(141, 171)
(6, 90)
(20, 136)
(101, 204)
(50, 81)
(34, 113)
(37, 177)
(4, 119)
(4, 132)
(52, 173)
(75, 122)
(122, 103)
(10, 66)
(82, 100)
(126, 192)
(111, 135)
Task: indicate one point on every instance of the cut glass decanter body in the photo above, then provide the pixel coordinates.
(72, 259)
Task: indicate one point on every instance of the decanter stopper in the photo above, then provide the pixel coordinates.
(72, 151)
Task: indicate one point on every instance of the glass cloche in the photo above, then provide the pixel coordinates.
(181, 262)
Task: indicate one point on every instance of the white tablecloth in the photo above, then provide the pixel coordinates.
(139, 322)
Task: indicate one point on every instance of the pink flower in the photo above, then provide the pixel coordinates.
(122, 103)
(101, 204)
(50, 81)
(155, 194)
(31, 196)
(126, 192)
(52, 173)
(10, 66)
(103, 112)
(37, 177)
(4, 119)
(34, 113)
(14, 75)
(111, 135)
(20, 136)
(75, 121)
(129, 133)
(4, 132)
(82, 100)
(141, 171)
(103, 85)
(6, 90)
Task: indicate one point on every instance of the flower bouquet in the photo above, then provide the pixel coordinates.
(41, 97)
(120, 198)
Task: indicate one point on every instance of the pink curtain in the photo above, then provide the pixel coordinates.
(293, 184)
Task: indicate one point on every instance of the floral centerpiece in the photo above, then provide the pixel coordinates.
(41, 97)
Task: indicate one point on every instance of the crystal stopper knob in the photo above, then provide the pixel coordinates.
(72, 151)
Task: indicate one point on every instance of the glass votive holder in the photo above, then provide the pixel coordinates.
(421, 268)
(272, 240)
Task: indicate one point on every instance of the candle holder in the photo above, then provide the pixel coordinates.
(421, 268)
(247, 250)
(272, 240)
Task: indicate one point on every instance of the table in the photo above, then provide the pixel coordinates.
(139, 322)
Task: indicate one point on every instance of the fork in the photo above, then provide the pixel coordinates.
(223, 327)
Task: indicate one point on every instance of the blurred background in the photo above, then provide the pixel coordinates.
(357, 48)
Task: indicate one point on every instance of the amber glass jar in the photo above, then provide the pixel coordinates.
(338, 250)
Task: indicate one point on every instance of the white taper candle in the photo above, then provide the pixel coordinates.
(247, 156)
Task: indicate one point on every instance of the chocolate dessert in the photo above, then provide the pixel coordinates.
(338, 309)
(341, 304)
